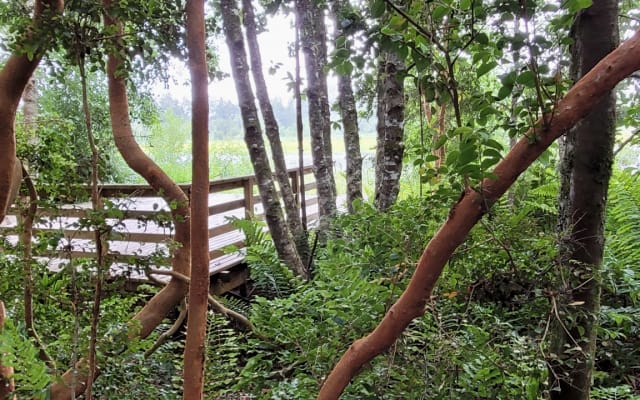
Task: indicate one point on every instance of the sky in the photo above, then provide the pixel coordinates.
(274, 45)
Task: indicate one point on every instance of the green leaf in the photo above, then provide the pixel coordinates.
(467, 156)
(527, 78)
(504, 91)
(465, 4)
(440, 142)
(482, 38)
(488, 163)
(492, 153)
(439, 12)
(462, 131)
(429, 93)
(431, 157)
(577, 5)
(493, 144)
(378, 8)
(484, 68)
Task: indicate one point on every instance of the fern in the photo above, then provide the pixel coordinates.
(622, 250)
(271, 278)
(623, 392)
(224, 351)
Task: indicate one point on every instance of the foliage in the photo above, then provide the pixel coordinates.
(30, 374)
(270, 276)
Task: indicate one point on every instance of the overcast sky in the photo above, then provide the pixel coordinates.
(274, 47)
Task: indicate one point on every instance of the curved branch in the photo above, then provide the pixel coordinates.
(215, 304)
(13, 79)
(475, 203)
(170, 296)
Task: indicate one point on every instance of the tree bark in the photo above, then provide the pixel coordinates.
(273, 134)
(349, 116)
(170, 296)
(313, 39)
(474, 203)
(255, 143)
(13, 78)
(195, 347)
(390, 145)
(585, 170)
(6, 383)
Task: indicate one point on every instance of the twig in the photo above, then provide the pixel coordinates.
(215, 304)
(174, 328)
(27, 231)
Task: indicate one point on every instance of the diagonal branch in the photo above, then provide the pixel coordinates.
(474, 204)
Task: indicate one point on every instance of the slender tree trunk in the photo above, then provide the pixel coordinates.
(6, 382)
(99, 233)
(473, 204)
(30, 110)
(253, 138)
(390, 150)
(313, 38)
(349, 115)
(13, 78)
(299, 126)
(195, 347)
(273, 134)
(171, 295)
(585, 169)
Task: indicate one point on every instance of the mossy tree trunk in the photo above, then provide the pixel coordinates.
(313, 40)
(272, 130)
(390, 127)
(348, 114)
(255, 143)
(585, 169)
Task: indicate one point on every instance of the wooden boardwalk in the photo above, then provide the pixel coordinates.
(142, 235)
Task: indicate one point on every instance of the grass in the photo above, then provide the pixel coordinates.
(229, 158)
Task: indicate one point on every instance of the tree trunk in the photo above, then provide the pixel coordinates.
(170, 296)
(313, 39)
(390, 145)
(13, 78)
(349, 115)
(473, 204)
(6, 383)
(273, 134)
(585, 169)
(253, 138)
(195, 347)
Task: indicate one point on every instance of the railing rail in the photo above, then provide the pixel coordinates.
(142, 228)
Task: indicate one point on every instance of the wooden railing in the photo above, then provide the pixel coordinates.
(140, 226)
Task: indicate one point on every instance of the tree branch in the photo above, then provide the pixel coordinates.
(469, 209)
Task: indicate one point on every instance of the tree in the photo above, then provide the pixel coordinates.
(475, 202)
(194, 351)
(298, 230)
(14, 77)
(390, 128)
(255, 143)
(585, 168)
(344, 20)
(170, 296)
(313, 37)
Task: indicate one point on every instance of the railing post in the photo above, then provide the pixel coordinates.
(248, 197)
(295, 186)
(303, 198)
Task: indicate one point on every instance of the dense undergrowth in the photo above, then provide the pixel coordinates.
(484, 334)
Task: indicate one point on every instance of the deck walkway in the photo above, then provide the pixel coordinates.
(142, 236)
